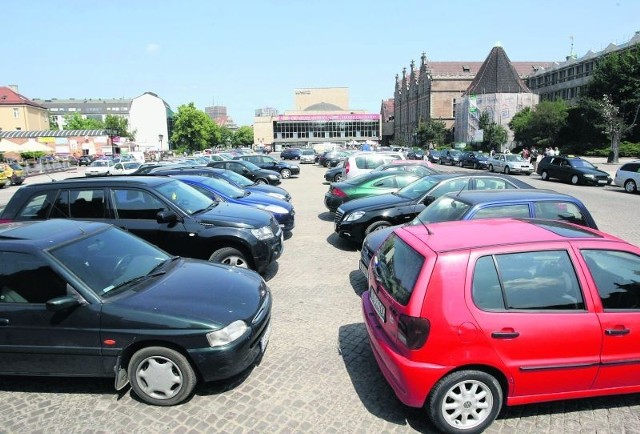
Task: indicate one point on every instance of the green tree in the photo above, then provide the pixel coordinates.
(75, 121)
(120, 125)
(494, 135)
(614, 91)
(193, 130)
(540, 126)
(244, 136)
(226, 137)
(431, 131)
(522, 126)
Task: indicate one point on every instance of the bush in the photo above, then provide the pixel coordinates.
(627, 149)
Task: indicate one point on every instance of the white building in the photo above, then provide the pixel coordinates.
(150, 121)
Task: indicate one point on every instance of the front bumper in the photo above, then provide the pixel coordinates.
(268, 251)
(352, 231)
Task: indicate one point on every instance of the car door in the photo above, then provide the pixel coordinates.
(613, 275)
(530, 307)
(239, 169)
(34, 339)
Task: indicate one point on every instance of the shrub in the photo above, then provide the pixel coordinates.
(627, 149)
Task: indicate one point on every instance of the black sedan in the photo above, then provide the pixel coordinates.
(266, 162)
(356, 219)
(332, 158)
(291, 154)
(474, 159)
(89, 299)
(249, 170)
(572, 169)
(415, 154)
(85, 160)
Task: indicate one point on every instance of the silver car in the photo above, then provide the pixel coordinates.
(307, 156)
(509, 163)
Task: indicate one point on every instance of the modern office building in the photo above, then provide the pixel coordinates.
(19, 113)
(319, 115)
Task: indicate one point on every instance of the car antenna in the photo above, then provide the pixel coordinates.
(461, 190)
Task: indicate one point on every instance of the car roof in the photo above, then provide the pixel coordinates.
(454, 235)
(109, 180)
(44, 234)
(450, 175)
(474, 197)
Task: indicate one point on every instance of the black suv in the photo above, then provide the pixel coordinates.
(572, 169)
(249, 170)
(85, 160)
(269, 163)
(161, 210)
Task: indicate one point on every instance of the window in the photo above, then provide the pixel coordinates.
(38, 206)
(397, 266)
(16, 113)
(88, 204)
(616, 277)
(385, 183)
(25, 278)
(492, 184)
(136, 204)
(560, 211)
(515, 211)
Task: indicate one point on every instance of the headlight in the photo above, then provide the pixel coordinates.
(589, 176)
(273, 176)
(263, 233)
(278, 196)
(273, 208)
(228, 334)
(354, 216)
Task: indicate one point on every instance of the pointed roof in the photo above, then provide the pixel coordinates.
(497, 75)
(9, 96)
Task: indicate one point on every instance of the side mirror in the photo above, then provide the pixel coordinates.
(428, 199)
(166, 217)
(61, 303)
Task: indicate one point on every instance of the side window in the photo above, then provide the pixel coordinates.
(385, 183)
(87, 204)
(492, 184)
(374, 161)
(453, 185)
(38, 207)
(361, 162)
(404, 180)
(136, 204)
(560, 211)
(486, 291)
(556, 162)
(542, 280)
(514, 211)
(25, 278)
(617, 276)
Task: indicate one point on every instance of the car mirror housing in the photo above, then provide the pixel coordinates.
(166, 217)
(62, 303)
(428, 199)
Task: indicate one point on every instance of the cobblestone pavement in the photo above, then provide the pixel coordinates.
(318, 374)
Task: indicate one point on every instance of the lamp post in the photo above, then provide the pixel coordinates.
(160, 137)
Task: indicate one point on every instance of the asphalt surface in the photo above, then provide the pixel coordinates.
(318, 374)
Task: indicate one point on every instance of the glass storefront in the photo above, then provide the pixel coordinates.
(326, 127)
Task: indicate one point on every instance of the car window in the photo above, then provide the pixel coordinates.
(404, 180)
(617, 277)
(450, 185)
(503, 211)
(84, 203)
(557, 161)
(38, 206)
(443, 209)
(560, 211)
(387, 182)
(25, 278)
(136, 204)
(373, 161)
(492, 184)
(397, 266)
(541, 280)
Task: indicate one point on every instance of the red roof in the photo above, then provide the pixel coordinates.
(10, 97)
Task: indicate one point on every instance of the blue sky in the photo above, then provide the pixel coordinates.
(252, 54)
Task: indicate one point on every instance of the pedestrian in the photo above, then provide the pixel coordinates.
(492, 152)
(534, 158)
(556, 151)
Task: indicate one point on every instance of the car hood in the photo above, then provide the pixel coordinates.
(257, 198)
(588, 171)
(193, 294)
(230, 214)
(265, 172)
(371, 203)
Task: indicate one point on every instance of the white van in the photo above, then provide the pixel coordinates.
(364, 162)
(138, 156)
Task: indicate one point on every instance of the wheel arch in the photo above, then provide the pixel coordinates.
(128, 352)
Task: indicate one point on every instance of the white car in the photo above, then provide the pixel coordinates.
(99, 168)
(125, 168)
(307, 156)
(364, 162)
(509, 163)
(628, 176)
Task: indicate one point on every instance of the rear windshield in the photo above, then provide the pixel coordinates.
(396, 266)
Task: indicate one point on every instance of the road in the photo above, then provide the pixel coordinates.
(318, 374)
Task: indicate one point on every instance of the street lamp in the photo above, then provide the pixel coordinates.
(160, 137)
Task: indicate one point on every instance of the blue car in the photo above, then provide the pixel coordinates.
(223, 191)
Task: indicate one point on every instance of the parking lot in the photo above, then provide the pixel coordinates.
(318, 374)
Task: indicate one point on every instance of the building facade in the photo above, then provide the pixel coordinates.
(320, 115)
(88, 108)
(60, 142)
(218, 114)
(19, 113)
(151, 120)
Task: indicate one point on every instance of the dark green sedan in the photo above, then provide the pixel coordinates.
(369, 184)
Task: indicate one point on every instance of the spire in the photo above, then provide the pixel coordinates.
(497, 75)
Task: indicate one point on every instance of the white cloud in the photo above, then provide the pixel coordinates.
(152, 48)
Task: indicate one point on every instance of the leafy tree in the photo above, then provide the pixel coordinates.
(75, 121)
(192, 129)
(431, 131)
(494, 135)
(226, 137)
(53, 123)
(243, 136)
(540, 126)
(120, 125)
(614, 91)
(522, 126)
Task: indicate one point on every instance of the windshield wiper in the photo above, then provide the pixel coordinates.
(213, 205)
(133, 281)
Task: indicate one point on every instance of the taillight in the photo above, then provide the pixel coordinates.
(346, 166)
(5, 221)
(413, 332)
(338, 192)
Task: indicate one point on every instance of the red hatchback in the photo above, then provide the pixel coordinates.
(465, 317)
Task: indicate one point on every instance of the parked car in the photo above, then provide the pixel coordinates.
(164, 211)
(572, 169)
(420, 167)
(125, 168)
(220, 190)
(462, 321)
(332, 158)
(99, 168)
(372, 183)
(484, 204)
(5, 181)
(415, 154)
(628, 176)
(291, 154)
(474, 159)
(433, 155)
(267, 162)
(356, 219)
(104, 303)
(146, 168)
(450, 157)
(307, 155)
(84, 160)
(14, 172)
(229, 176)
(509, 163)
(249, 170)
(364, 162)
(334, 174)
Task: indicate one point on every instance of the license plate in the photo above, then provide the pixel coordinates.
(363, 269)
(377, 305)
(265, 338)
(602, 181)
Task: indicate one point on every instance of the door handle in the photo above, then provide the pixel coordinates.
(617, 332)
(4, 322)
(505, 335)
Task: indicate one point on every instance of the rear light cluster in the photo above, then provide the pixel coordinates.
(5, 221)
(346, 166)
(338, 192)
(412, 331)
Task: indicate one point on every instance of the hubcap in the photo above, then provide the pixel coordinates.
(159, 377)
(630, 186)
(235, 261)
(467, 404)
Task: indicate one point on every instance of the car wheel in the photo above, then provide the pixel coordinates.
(507, 170)
(544, 175)
(286, 173)
(229, 256)
(161, 376)
(338, 177)
(465, 402)
(490, 167)
(630, 186)
(327, 164)
(575, 179)
(261, 181)
(376, 226)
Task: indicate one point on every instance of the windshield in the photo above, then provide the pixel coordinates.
(250, 165)
(443, 209)
(222, 187)
(582, 163)
(514, 157)
(307, 152)
(106, 259)
(100, 163)
(418, 188)
(236, 178)
(185, 197)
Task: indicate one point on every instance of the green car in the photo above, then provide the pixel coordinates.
(368, 184)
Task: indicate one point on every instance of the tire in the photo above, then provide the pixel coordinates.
(161, 376)
(337, 178)
(381, 224)
(575, 179)
(507, 170)
(327, 164)
(630, 186)
(480, 404)
(261, 181)
(544, 175)
(285, 173)
(490, 167)
(229, 256)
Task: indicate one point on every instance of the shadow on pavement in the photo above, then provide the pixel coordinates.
(326, 216)
(341, 244)
(358, 282)
(57, 385)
